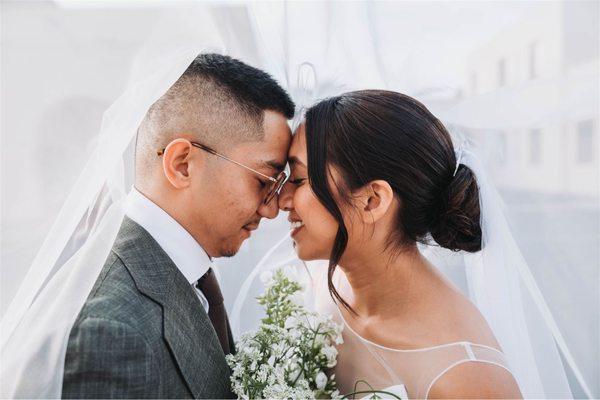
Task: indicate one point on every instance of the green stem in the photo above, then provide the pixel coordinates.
(373, 392)
(311, 346)
(356, 386)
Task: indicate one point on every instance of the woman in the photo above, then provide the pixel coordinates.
(373, 173)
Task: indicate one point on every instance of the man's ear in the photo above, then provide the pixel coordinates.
(175, 161)
(375, 199)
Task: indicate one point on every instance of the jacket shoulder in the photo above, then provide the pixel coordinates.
(115, 297)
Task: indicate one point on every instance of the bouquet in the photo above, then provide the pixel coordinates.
(290, 354)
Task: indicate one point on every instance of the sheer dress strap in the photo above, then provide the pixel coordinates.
(471, 352)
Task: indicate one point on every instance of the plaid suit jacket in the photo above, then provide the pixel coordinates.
(143, 332)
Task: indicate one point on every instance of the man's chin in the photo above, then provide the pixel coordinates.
(231, 248)
(229, 253)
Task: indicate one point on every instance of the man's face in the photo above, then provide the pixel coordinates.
(233, 196)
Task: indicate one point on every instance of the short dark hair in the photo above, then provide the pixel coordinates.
(252, 87)
(376, 134)
(219, 99)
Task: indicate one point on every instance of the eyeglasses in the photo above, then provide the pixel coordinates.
(276, 182)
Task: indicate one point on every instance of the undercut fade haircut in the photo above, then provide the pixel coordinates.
(218, 100)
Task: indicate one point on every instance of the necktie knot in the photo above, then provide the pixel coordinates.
(209, 286)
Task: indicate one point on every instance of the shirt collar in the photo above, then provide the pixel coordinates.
(185, 252)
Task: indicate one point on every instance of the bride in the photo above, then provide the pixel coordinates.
(373, 173)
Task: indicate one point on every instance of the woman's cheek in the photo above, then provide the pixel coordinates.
(306, 205)
(321, 225)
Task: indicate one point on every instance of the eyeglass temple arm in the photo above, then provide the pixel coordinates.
(270, 178)
(211, 151)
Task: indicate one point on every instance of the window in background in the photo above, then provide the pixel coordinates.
(502, 148)
(585, 141)
(535, 146)
(533, 73)
(501, 72)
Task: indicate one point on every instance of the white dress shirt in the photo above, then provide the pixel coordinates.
(189, 257)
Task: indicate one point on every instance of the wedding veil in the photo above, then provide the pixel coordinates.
(341, 50)
(36, 326)
(497, 279)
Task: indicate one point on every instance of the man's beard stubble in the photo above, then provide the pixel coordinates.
(229, 250)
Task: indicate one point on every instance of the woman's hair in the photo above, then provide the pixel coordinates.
(382, 135)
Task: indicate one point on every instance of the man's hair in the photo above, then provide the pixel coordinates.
(251, 87)
(218, 100)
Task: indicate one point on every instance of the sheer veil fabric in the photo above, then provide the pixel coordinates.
(498, 279)
(37, 323)
(333, 56)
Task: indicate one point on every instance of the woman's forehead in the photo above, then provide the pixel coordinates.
(298, 148)
(300, 131)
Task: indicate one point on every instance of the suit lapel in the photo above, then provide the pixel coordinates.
(187, 328)
(196, 344)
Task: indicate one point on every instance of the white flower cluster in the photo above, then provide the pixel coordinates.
(289, 355)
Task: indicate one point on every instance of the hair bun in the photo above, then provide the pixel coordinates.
(458, 224)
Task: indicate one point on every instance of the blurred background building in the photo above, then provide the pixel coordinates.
(538, 81)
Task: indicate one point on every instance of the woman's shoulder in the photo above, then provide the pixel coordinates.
(452, 317)
(473, 379)
(482, 371)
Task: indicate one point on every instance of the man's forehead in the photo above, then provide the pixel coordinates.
(277, 132)
(263, 153)
(274, 158)
(270, 153)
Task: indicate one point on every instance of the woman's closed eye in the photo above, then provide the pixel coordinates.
(297, 181)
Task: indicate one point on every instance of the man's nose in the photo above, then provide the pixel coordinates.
(270, 209)
(285, 197)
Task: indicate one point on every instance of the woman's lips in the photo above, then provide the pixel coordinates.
(296, 226)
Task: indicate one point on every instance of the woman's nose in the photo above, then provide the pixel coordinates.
(285, 197)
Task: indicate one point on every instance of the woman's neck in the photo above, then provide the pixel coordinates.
(384, 284)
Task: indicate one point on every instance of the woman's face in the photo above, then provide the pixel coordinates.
(313, 227)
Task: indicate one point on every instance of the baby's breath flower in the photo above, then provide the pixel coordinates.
(330, 353)
(321, 380)
(286, 356)
(290, 322)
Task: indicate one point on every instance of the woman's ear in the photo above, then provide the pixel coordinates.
(376, 200)
(175, 163)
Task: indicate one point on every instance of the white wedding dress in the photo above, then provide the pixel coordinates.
(497, 280)
(382, 368)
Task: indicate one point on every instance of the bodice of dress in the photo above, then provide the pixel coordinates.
(381, 367)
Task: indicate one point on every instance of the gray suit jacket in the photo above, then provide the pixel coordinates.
(142, 332)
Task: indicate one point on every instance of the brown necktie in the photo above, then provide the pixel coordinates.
(216, 309)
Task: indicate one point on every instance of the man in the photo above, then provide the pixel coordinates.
(209, 163)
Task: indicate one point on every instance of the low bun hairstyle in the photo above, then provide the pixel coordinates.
(458, 227)
(375, 134)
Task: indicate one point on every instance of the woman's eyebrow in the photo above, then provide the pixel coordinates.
(293, 160)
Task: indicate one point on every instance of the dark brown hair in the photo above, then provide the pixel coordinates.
(374, 134)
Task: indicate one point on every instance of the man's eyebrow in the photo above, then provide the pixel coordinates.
(276, 165)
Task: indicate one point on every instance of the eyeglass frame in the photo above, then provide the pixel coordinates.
(277, 182)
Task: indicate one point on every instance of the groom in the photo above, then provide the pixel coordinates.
(209, 163)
